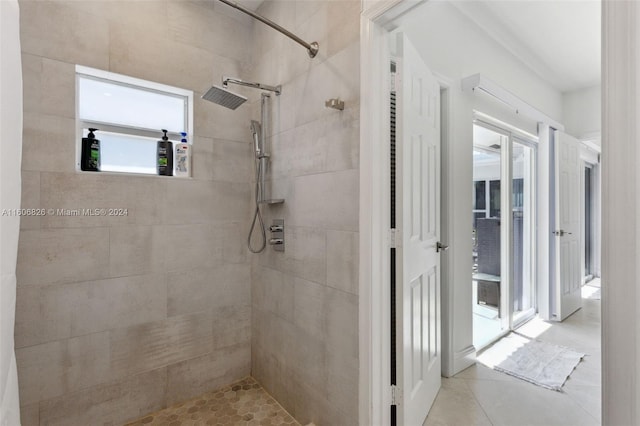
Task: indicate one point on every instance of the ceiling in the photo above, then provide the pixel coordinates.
(559, 40)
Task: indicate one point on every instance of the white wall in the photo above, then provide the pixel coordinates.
(621, 214)
(581, 112)
(455, 48)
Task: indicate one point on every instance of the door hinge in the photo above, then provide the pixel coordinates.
(395, 395)
(395, 238)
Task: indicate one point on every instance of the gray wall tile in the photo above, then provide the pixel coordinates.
(208, 196)
(110, 403)
(273, 291)
(52, 256)
(192, 246)
(70, 39)
(30, 199)
(53, 369)
(136, 250)
(142, 197)
(42, 315)
(343, 260)
(196, 376)
(48, 143)
(327, 200)
(310, 307)
(207, 289)
(114, 303)
(157, 344)
(231, 326)
(30, 415)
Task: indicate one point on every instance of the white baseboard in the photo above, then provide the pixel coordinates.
(463, 359)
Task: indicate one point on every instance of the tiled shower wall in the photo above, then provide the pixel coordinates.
(305, 300)
(120, 316)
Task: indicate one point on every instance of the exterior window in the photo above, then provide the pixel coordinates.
(129, 114)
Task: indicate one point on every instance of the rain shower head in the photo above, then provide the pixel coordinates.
(222, 96)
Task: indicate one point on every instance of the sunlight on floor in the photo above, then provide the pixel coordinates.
(493, 358)
(590, 292)
(534, 328)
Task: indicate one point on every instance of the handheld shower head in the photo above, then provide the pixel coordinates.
(222, 96)
(255, 131)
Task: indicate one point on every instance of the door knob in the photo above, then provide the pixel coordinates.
(441, 247)
(561, 233)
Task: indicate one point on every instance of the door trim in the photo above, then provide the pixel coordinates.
(374, 309)
(374, 271)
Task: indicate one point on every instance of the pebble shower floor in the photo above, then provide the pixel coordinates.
(243, 403)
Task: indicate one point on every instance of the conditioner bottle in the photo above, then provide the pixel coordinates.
(183, 157)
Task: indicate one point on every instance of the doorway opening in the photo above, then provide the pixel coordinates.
(503, 270)
(503, 76)
(588, 223)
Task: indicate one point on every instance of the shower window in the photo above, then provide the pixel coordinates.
(129, 114)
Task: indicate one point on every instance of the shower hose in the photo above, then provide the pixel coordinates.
(257, 216)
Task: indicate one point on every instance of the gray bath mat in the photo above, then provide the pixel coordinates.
(540, 363)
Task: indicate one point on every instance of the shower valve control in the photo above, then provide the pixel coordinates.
(277, 234)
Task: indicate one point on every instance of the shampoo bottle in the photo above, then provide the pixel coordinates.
(183, 157)
(90, 155)
(164, 156)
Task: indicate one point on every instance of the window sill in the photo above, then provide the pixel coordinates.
(131, 174)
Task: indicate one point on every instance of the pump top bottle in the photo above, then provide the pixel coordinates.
(90, 153)
(164, 156)
(183, 157)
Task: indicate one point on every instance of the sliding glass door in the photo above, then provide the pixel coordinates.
(487, 283)
(503, 276)
(588, 217)
(523, 240)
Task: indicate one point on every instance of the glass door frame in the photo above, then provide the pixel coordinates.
(509, 321)
(588, 217)
(529, 313)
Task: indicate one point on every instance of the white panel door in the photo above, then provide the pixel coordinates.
(568, 229)
(418, 264)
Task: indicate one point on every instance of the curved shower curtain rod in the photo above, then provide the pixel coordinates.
(312, 48)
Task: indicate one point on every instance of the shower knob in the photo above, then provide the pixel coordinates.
(277, 235)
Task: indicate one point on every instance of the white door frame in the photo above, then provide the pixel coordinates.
(621, 251)
(374, 272)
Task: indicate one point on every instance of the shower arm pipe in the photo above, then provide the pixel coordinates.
(312, 48)
(227, 80)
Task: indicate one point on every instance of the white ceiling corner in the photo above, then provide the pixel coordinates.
(558, 40)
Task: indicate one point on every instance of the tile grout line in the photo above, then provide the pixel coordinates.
(466, 382)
